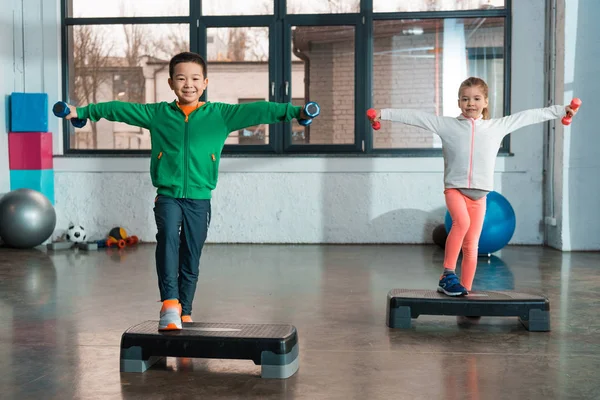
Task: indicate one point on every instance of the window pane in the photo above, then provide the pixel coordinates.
(323, 71)
(435, 5)
(238, 72)
(120, 62)
(237, 7)
(127, 8)
(419, 64)
(323, 7)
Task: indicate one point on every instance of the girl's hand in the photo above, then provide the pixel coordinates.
(374, 117)
(570, 111)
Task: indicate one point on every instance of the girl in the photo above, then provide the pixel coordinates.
(470, 144)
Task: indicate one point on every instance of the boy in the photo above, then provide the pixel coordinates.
(187, 137)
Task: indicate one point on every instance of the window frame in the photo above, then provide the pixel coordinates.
(505, 13)
(350, 20)
(239, 21)
(279, 24)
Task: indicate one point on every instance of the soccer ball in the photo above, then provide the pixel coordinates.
(76, 234)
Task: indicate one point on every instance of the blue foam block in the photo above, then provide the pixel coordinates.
(41, 180)
(28, 112)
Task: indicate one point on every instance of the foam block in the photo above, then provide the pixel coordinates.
(28, 112)
(30, 150)
(41, 180)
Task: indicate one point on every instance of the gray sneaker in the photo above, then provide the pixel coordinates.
(170, 316)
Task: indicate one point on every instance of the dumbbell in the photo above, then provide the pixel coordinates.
(575, 103)
(372, 114)
(61, 110)
(112, 242)
(311, 109)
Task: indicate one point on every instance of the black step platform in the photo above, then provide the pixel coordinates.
(273, 347)
(404, 304)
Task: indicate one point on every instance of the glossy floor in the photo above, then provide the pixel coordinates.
(63, 314)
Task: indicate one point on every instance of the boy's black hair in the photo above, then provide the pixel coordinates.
(186, 57)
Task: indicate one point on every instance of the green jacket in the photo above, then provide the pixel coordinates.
(186, 155)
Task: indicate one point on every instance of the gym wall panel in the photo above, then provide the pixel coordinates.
(7, 77)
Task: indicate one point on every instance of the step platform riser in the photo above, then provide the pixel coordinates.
(404, 305)
(274, 347)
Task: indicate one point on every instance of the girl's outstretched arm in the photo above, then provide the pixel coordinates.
(534, 116)
(412, 117)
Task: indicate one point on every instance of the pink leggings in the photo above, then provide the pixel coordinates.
(467, 222)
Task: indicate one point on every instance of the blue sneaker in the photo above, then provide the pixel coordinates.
(450, 285)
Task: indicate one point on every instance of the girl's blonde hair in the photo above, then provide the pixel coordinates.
(474, 82)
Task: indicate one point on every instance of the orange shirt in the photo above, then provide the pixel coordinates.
(187, 110)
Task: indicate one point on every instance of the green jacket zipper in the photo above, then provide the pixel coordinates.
(214, 166)
(186, 139)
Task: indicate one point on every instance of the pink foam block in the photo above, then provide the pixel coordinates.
(30, 150)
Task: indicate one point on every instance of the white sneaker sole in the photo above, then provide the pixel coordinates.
(170, 321)
(442, 290)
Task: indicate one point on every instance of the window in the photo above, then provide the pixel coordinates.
(238, 60)
(409, 54)
(420, 63)
(236, 7)
(323, 7)
(119, 62)
(435, 5)
(323, 71)
(126, 8)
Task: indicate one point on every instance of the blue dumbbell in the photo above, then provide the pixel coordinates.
(312, 110)
(61, 110)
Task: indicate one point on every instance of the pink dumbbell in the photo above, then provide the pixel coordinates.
(372, 114)
(575, 103)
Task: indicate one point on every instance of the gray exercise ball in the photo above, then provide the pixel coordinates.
(27, 218)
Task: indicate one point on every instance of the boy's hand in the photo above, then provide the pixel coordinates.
(308, 112)
(73, 113)
(303, 115)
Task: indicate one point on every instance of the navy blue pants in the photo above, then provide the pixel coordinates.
(182, 228)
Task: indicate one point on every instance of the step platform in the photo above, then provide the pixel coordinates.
(273, 347)
(403, 305)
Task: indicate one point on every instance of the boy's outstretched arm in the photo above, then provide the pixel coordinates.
(130, 113)
(239, 116)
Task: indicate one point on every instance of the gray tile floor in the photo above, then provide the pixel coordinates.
(63, 314)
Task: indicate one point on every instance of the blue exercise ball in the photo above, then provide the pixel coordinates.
(498, 225)
(27, 218)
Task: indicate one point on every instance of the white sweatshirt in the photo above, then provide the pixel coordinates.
(470, 146)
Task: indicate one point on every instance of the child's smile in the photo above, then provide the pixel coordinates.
(188, 82)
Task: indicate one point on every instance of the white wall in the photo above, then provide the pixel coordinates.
(6, 87)
(29, 61)
(521, 182)
(577, 187)
(305, 199)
